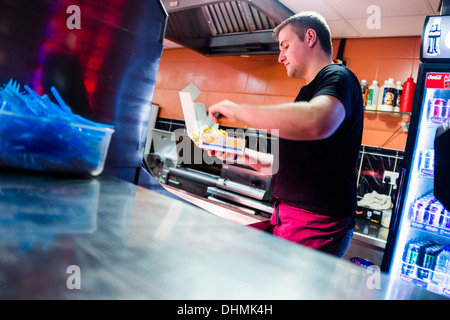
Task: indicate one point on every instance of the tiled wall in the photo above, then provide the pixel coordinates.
(260, 79)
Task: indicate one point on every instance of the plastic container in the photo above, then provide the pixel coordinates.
(381, 94)
(364, 91)
(387, 103)
(409, 86)
(398, 96)
(372, 97)
(46, 144)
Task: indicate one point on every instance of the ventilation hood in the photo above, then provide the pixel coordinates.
(215, 28)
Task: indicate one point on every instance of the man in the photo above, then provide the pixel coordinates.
(319, 138)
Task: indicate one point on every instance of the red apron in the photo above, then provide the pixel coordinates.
(310, 229)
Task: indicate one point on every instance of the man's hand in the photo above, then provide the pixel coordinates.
(224, 156)
(225, 109)
(259, 161)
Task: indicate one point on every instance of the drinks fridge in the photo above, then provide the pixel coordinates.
(418, 247)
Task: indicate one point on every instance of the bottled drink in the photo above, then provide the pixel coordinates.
(364, 91)
(398, 96)
(409, 86)
(372, 98)
(442, 267)
(387, 103)
(380, 95)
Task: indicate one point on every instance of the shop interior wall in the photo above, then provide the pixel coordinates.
(260, 79)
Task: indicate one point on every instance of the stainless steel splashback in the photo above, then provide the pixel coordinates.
(105, 71)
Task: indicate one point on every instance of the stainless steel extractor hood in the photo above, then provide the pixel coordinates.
(225, 27)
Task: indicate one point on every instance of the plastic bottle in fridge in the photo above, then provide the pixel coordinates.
(387, 103)
(398, 96)
(442, 267)
(372, 98)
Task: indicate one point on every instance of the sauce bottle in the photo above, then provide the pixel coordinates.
(387, 104)
(372, 97)
(409, 86)
(380, 95)
(364, 91)
(398, 96)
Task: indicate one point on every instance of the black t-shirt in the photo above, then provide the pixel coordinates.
(320, 176)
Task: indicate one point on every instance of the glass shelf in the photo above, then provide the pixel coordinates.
(387, 115)
(387, 112)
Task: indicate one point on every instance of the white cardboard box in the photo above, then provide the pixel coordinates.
(197, 120)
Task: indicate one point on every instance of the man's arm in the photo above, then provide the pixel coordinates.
(317, 119)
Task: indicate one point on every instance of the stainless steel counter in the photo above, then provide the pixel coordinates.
(225, 210)
(103, 238)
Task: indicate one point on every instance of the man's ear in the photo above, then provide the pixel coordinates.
(311, 37)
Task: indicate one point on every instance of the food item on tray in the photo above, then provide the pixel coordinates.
(214, 131)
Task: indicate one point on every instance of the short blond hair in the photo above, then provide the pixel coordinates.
(302, 21)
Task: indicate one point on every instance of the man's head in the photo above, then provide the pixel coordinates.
(305, 44)
(305, 20)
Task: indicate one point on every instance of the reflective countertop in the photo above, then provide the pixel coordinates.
(104, 238)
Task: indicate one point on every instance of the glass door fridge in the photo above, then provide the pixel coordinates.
(418, 246)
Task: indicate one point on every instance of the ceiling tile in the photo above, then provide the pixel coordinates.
(348, 18)
(343, 29)
(391, 27)
(357, 9)
(321, 6)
